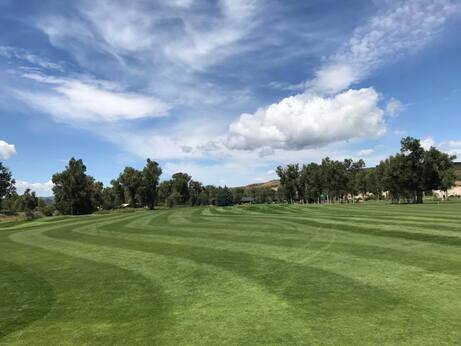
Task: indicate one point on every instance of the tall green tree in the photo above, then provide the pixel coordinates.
(73, 189)
(6, 183)
(131, 181)
(224, 196)
(289, 179)
(118, 193)
(439, 170)
(164, 190)
(29, 201)
(149, 183)
(180, 184)
(408, 174)
(195, 189)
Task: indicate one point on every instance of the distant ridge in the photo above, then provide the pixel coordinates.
(275, 183)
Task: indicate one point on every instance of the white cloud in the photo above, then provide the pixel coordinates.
(196, 38)
(453, 147)
(399, 132)
(25, 56)
(427, 142)
(41, 189)
(366, 152)
(6, 150)
(332, 79)
(394, 107)
(314, 118)
(308, 120)
(71, 100)
(399, 27)
(202, 45)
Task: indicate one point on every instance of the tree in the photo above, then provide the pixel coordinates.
(180, 184)
(117, 192)
(164, 190)
(238, 193)
(97, 194)
(289, 176)
(356, 172)
(73, 189)
(149, 183)
(439, 171)
(224, 196)
(108, 198)
(195, 189)
(412, 164)
(6, 183)
(29, 201)
(131, 180)
(312, 179)
(173, 199)
(410, 173)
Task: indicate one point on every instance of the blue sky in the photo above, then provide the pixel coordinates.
(224, 90)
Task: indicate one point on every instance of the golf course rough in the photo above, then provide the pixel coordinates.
(265, 274)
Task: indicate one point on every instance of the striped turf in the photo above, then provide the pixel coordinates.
(272, 274)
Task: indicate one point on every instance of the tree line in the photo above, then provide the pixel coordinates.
(75, 192)
(403, 177)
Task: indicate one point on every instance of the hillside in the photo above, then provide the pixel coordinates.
(268, 184)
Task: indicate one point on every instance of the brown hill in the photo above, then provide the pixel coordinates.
(268, 184)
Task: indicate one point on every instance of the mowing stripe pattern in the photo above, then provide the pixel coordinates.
(264, 274)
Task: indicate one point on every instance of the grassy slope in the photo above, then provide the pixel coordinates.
(356, 274)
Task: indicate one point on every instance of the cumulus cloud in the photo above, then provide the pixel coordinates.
(69, 99)
(41, 189)
(394, 107)
(325, 113)
(308, 120)
(6, 150)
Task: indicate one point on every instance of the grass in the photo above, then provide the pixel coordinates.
(269, 274)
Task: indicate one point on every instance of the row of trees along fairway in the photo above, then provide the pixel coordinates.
(11, 202)
(403, 177)
(77, 193)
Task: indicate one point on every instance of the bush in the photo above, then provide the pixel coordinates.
(29, 214)
(47, 210)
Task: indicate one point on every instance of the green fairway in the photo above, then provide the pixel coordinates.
(264, 274)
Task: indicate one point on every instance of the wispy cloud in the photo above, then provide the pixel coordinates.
(394, 107)
(314, 117)
(22, 55)
(195, 37)
(71, 99)
(399, 28)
